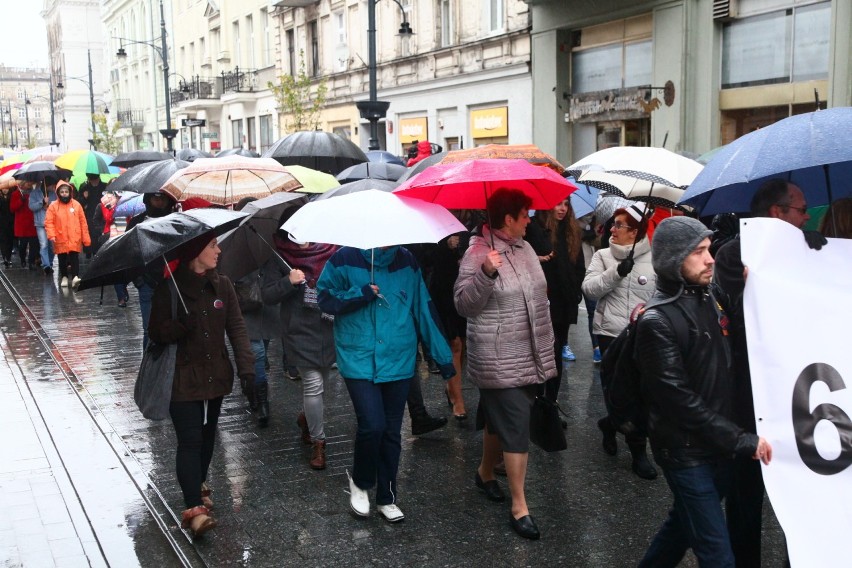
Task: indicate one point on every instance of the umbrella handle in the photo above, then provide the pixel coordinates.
(272, 248)
(172, 276)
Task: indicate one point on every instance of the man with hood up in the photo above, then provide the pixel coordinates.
(424, 150)
(157, 204)
(687, 386)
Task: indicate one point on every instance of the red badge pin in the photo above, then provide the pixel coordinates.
(218, 304)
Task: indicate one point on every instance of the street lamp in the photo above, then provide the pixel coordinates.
(163, 51)
(372, 109)
(7, 112)
(27, 115)
(53, 141)
(88, 83)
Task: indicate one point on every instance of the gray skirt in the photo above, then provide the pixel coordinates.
(506, 413)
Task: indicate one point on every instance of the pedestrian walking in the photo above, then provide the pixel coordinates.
(688, 389)
(502, 291)
(380, 306)
(66, 227)
(90, 193)
(204, 373)
(41, 197)
(619, 278)
(25, 231)
(7, 225)
(105, 216)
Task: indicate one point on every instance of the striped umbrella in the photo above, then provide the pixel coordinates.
(84, 162)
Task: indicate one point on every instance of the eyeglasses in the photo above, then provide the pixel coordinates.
(803, 210)
(620, 226)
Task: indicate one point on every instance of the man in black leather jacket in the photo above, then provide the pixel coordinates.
(687, 386)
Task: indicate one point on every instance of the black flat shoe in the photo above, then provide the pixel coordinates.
(525, 526)
(460, 417)
(610, 446)
(491, 488)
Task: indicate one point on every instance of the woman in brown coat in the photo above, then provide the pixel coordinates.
(203, 371)
(66, 227)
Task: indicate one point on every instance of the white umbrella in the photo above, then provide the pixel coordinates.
(632, 187)
(656, 165)
(371, 219)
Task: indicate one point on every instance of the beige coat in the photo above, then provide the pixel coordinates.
(509, 333)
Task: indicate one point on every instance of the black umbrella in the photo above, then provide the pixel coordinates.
(384, 156)
(39, 171)
(248, 247)
(136, 157)
(371, 170)
(154, 242)
(189, 154)
(421, 165)
(238, 152)
(356, 186)
(147, 178)
(323, 151)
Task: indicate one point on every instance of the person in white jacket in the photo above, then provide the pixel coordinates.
(619, 278)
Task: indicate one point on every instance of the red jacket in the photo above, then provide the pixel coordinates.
(424, 150)
(24, 221)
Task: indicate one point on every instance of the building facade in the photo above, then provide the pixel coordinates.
(685, 75)
(25, 110)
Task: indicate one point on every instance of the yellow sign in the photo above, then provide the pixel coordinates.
(411, 129)
(489, 122)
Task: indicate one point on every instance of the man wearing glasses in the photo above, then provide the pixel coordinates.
(778, 199)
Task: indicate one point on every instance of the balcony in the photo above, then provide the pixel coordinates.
(128, 117)
(196, 88)
(240, 81)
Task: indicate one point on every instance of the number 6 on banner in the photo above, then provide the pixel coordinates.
(805, 421)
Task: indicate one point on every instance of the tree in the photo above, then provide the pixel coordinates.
(105, 137)
(298, 99)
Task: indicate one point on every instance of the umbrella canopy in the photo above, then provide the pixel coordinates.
(607, 205)
(137, 157)
(156, 240)
(467, 185)
(249, 246)
(129, 205)
(377, 156)
(372, 219)
(238, 152)
(379, 170)
(358, 186)
(225, 181)
(422, 165)
(39, 171)
(312, 181)
(85, 162)
(632, 188)
(12, 162)
(190, 154)
(147, 178)
(42, 156)
(656, 165)
(584, 200)
(323, 151)
(528, 152)
(812, 150)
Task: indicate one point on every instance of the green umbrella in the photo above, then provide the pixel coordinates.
(313, 181)
(84, 162)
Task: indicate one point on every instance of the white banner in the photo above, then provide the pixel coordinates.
(798, 313)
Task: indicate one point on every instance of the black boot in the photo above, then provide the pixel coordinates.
(262, 398)
(641, 464)
(610, 446)
(422, 423)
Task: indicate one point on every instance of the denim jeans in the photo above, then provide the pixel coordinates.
(45, 247)
(258, 347)
(146, 293)
(379, 408)
(696, 520)
(195, 444)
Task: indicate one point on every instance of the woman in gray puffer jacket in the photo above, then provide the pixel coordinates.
(502, 292)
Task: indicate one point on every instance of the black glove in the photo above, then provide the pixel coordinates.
(448, 371)
(247, 386)
(188, 321)
(815, 239)
(625, 266)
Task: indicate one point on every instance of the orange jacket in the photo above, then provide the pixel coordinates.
(66, 226)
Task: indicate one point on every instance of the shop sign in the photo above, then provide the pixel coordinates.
(191, 122)
(411, 129)
(617, 104)
(489, 122)
(213, 135)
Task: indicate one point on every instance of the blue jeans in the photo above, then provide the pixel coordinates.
(379, 408)
(45, 247)
(696, 520)
(258, 347)
(146, 293)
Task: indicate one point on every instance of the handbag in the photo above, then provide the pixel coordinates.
(546, 427)
(153, 389)
(248, 294)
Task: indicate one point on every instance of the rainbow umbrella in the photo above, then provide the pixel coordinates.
(84, 162)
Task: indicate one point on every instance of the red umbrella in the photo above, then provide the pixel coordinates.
(467, 185)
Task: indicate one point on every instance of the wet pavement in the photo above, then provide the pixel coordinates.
(86, 481)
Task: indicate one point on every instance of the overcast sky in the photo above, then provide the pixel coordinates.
(23, 41)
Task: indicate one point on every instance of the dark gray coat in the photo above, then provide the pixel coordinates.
(263, 323)
(308, 337)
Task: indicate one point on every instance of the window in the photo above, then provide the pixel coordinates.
(778, 47)
(251, 45)
(250, 134)
(313, 41)
(20, 94)
(22, 113)
(37, 112)
(266, 60)
(495, 15)
(202, 47)
(447, 31)
(291, 52)
(235, 27)
(266, 133)
(340, 28)
(613, 66)
(237, 133)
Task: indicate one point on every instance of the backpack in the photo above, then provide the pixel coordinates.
(620, 375)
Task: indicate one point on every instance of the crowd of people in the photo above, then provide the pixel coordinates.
(495, 301)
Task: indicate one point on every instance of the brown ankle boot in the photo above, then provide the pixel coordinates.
(197, 520)
(205, 496)
(302, 422)
(318, 455)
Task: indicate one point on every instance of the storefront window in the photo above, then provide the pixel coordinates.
(612, 67)
(265, 132)
(777, 47)
(237, 133)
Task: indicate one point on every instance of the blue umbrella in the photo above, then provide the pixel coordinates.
(583, 200)
(382, 156)
(130, 205)
(813, 151)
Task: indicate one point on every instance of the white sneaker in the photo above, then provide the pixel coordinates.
(64, 282)
(359, 500)
(391, 513)
(75, 283)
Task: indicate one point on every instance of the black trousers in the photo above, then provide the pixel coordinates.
(195, 444)
(560, 336)
(69, 264)
(31, 256)
(744, 511)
